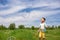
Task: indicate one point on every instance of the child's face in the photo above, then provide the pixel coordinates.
(42, 20)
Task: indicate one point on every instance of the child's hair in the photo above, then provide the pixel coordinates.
(43, 18)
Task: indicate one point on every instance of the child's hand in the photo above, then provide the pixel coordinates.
(47, 27)
(38, 30)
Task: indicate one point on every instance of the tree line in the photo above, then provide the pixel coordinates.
(12, 26)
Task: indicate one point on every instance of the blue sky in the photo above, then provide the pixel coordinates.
(29, 12)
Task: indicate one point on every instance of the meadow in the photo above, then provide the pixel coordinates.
(28, 34)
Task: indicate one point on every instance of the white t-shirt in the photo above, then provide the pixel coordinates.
(43, 25)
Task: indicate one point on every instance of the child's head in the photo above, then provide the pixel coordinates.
(43, 20)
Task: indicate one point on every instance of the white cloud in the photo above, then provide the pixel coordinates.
(49, 4)
(11, 10)
(27, 17)
(17, 5)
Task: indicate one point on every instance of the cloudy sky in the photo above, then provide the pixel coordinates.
(29, 12)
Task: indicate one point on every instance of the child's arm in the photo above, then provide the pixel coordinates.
(46, 25)
(39, 30)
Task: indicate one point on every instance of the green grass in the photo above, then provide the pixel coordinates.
(25, 34)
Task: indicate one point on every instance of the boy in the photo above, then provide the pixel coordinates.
(42, 29)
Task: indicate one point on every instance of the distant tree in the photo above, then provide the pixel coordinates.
(27, 28)
(55, 26)
(32, 28)
(2, 27)
(21, 26)
(59, 26)
(52, 26)
(12, 26)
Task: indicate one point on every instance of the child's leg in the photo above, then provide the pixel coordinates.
(43, 38)
(40, 36)
(43, 35)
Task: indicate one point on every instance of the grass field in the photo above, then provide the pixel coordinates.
(25, 34)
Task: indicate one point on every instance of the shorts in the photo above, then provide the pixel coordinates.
(41, 34)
